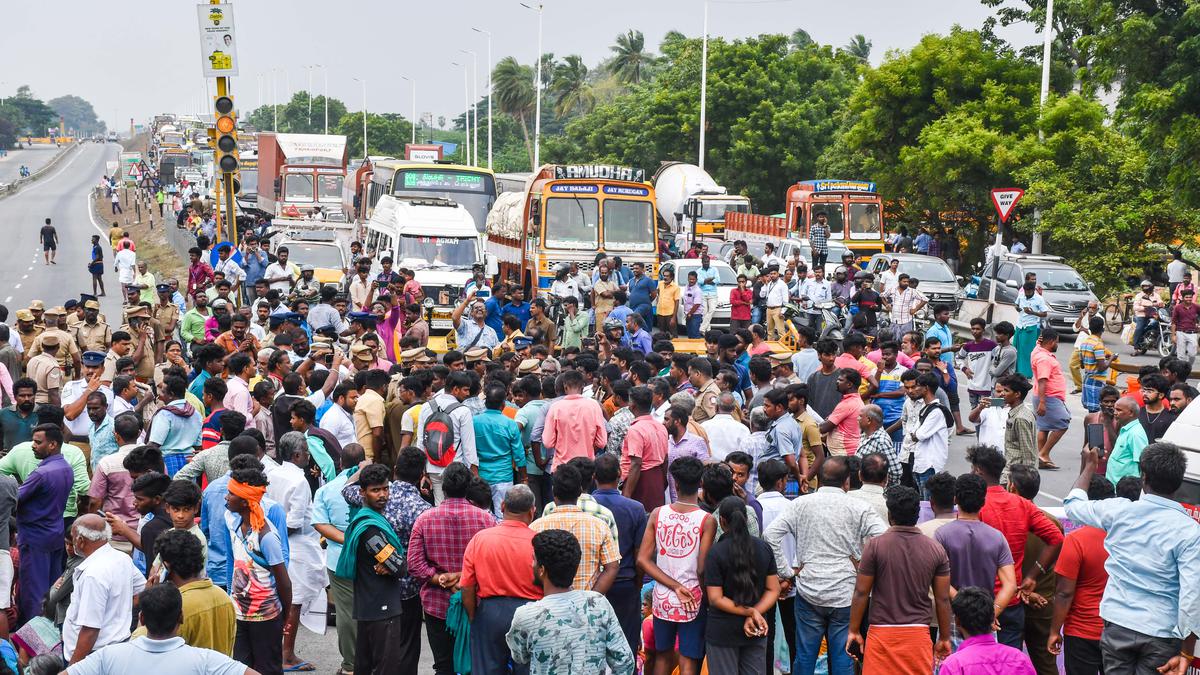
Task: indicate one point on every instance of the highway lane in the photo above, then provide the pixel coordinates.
(34, 157)
(62, 197)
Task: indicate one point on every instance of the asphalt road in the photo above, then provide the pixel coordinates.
(34, 157)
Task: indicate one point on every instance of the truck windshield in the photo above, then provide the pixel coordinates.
(298, 187)
(325, 256)
(628, 225)
(716, 210)
(864, 221)
(452, 252)
(329, 188)
(833, 210)
(571, 223)
(1055, 279)
(249, 179)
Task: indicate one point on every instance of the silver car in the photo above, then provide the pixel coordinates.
(726, 282)
(938, 282)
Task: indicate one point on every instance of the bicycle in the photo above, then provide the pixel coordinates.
(1118, 313)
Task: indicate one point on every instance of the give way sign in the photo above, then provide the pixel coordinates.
(1005, 199)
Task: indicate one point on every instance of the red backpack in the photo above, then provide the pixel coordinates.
(439, 440)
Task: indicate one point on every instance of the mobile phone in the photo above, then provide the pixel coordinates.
(483, 292)
(1094, 434)
(996, 401)
(589, 343)
(854, 650)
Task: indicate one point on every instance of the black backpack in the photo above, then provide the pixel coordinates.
(438, 440)
(937, 406)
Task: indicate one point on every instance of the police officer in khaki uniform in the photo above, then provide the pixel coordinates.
(46, 373)
(93, 334)
(68, 352)
(166, 312)
(39, 309)
(28, 331)
(147, 340)
(74, 315)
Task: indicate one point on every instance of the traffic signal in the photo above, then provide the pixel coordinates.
(226, 156)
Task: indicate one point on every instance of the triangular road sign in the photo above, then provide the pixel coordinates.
(1005, 200)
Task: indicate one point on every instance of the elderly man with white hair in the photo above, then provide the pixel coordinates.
(875, 440)
(725, 434)
(102, 600)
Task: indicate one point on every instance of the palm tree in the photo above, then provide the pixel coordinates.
(801, 39)
(859, 47)
(571, 87)
(631, 57)
(512, 86)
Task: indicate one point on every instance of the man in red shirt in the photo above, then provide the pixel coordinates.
(496, 581)
(854, 346)
(644, 452)
(1081, 582)
(1050, 400)
(841, 426)
(1015, 517)
(575, 426)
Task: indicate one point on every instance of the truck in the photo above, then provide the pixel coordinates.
(568, 214)
(436, 238)
(684, 192)
(299, 173)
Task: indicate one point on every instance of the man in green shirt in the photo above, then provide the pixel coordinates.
(1131, 440)
(20, 462)
(191, 329)
(498, 444)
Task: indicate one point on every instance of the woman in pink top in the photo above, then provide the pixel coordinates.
(673, 550)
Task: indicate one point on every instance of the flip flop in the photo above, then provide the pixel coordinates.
(967, 432)
(1049, 466)
(302, 667)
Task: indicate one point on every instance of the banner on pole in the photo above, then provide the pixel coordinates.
(218, 43)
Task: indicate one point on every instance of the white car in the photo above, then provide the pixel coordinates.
(726, 282)
(784, 248)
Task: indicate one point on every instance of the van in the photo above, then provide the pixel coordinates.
(1185, 432)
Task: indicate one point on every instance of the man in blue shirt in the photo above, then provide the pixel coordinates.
(642, 292)
(175, 429)
(922, 242)
(493, 305)
(498, 445)
(516, 306)
(254, 262)
(1151, 605)
(625, 594)
(707, 276)
(636, 336)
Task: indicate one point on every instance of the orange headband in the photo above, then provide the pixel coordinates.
(253, 495)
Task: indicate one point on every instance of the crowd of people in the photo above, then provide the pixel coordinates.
(252, 451)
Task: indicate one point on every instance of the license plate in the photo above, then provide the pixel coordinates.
(442, 324)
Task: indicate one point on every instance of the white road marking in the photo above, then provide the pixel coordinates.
(17, 286)
(1047, 495)
(8, 299)
(87, 201)
(25, 276)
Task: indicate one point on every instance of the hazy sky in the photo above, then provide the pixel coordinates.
(135, 58)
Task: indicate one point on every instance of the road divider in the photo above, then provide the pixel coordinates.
(9, 189)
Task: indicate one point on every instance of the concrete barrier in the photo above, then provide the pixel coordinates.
(9, 189)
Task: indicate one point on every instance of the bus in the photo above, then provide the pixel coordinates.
(853, 210)
(472, 186)
(568, 214)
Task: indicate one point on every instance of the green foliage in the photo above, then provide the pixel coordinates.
(771, 112)
(294, 116)
(630, 57)
(77, 114)
(387, 134)
(571, 87)
(27, 115)
(859, 47)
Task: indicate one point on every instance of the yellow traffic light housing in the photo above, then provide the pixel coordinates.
(226, 156)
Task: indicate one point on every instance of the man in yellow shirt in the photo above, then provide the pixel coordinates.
(669, 294)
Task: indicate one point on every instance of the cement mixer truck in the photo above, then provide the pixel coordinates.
(687, 197)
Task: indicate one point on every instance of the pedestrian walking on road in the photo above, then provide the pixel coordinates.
(49, 238)
(116, 203)
(96, 267)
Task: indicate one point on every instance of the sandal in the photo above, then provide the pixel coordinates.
(302, 667)
(1049, 466)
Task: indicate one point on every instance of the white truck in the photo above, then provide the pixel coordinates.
(684, 192)
(434, 237)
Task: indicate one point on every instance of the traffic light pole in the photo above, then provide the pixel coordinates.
(227, 192)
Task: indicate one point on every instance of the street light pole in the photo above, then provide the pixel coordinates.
(309, 92)
(275, 99)
(325, 73)
(537, 87)
(703, 85)
(413, 119)
(363, 82)
(489, 89)
(467, 113)
(1035, 243)
(474, 102)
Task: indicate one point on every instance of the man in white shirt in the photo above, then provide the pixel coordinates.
(1175, 270)
(125, 262)
(456, 390)
(891, 276)
(775, 293)
(874, 476)
(338, 419)
(226, 265)
(102, 600)
(932, 436)
(281, 274)
(817, 291)
(769, 258)
(725, 434)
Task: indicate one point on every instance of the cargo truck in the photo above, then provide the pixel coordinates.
(297, 173)
(689, 200)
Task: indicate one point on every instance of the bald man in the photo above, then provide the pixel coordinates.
(105, 585)
(1131, 440)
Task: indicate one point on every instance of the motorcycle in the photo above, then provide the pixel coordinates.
(1158, 335)
(826, 324)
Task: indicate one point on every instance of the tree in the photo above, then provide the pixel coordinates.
(387, 134)
(28, 114)
(630, 56)
(1076, 24)
(294, 117)
(571, 88)
(77, 114)
(859, 47)
(512, 87)
(801, 39)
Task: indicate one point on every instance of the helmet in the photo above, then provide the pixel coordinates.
(613, 324)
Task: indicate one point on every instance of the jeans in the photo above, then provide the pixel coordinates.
(693, 326)
(540, 484)
(498, 492)
(441, 645)
(920, 479)
(814, 623)
(1012, 626)
(1139, 323)
(819, 258)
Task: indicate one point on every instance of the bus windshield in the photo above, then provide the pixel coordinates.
(571, 223)
(628, 225)
(451, 252)
(298, 187)
(833, 210)
(864, 221)
(715, 210)
(475, 191)
(330, 187)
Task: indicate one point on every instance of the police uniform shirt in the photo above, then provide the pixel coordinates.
(94, 337)
(71, 391)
